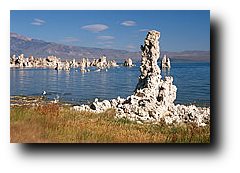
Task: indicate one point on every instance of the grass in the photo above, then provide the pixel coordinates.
(52, 123)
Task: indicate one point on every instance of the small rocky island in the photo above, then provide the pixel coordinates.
(153, 98)
(128, 62)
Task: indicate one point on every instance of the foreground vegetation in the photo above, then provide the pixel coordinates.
(52, 123)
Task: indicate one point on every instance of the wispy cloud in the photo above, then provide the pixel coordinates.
(105, 37)
(131, 46)
(104, 43)
(107, 44)
(37, 22)
(129, 23)
(69, 40)
(143, 29)
(95, 28)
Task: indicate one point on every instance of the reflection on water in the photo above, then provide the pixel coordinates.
(191, 79)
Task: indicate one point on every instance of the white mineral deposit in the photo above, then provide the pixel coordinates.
(153, 98)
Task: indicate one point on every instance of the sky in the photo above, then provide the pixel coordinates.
(118, 29)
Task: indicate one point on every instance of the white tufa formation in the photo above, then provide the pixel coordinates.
(165, 63)
(152, 100)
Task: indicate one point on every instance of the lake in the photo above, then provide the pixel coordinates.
(191, 79)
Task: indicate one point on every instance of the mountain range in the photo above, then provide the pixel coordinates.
(38, 48)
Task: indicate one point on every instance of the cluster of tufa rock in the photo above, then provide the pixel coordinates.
(100, 63)
(20, 61)
(57, 64)
(152, 100)
(49, 62)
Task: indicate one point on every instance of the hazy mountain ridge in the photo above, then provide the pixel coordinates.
(38, 48)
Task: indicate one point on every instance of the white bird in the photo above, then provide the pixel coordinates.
(56, 99)
(44, 93)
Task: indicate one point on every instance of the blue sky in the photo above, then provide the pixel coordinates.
(125, 30)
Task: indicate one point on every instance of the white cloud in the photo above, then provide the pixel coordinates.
(107, 44)
(105, 37)
(143, 29)
(37, 22)
(100, 43)
(95, 28)
(129, 23)
(69, 40)
(131, 46)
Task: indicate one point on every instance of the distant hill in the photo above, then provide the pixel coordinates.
(188, 56)
(28, 46)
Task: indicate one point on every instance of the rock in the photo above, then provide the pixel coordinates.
(66, 65)
(106, 104)
(102, 62)
(99, 107)
(153, 98)
(168, 92)
(128, 62)
(98, 70)
(94, 63)
(59, 66)
(165, 63)
(113, 63)
(88, 63)
(49, 61)
(149, 80)
(73, 63)
(54, 62)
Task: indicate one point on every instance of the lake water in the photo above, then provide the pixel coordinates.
(191, 79)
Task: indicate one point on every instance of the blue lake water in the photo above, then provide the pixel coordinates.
(191, 79)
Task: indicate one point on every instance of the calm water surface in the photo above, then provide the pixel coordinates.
(191, 79)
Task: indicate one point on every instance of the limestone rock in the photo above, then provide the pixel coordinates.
(128, 62)
(102, 62)
(73, 63)
(153, 98)
(165, 63)
(112, 63)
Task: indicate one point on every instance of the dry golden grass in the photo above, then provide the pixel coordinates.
(54, 124)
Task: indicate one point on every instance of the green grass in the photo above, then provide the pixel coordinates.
(54, 124)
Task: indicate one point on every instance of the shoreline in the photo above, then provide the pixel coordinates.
(23, 100)
(120, 64)
(59, 123)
